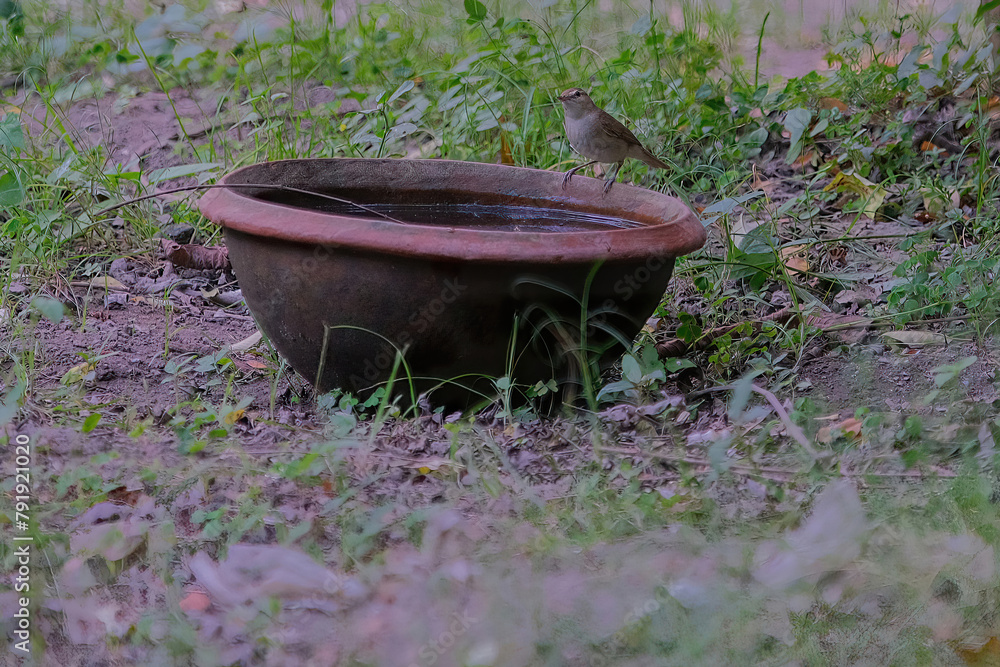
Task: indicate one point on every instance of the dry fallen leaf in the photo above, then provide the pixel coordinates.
(916, 338)
(101, 282)
(113, 541)
(871, 193)
(233, 417)
(794, 261)
(930, 147)
(829, 539)
(849, 428)
(76, 578)
(837, 255)
(77, 373)
(848, 329)
(126, 494)
(980, 655)
(425, 466)
(765, 185)
(251, 572)
(807, 159)
(506, 156)
(193, 256)
(82, 619)
(195, 601)
(846, 296)
(653, 324)
(832, 103)
(246, 343)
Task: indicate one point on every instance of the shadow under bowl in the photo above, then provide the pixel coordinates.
(460, 272)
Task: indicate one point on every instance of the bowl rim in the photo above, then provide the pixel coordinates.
(670, 228)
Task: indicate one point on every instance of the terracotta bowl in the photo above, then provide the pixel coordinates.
(466, 272)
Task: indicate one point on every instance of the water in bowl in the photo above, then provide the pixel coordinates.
(495, 217)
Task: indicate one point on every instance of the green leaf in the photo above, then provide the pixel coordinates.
(962, 87)
(758, 241)
(400, 131)
(50, 309)
(191, 448)
(873, 194)
(796, 122)
(819, 127)
(910, 457)
(11, 192)
(726, 206)
(741, 393)
(985, 7)
(615, 387)
(757, 137)
(11, 134)
(946, 373)
(689, 331)
(404, 88)
(649, 358)
(476, 10)
(487, 124)
(168, 173)
(375, 398)
(9, 9)
(673, 364)
(642, 26)
(186, 52)
(910, 63)
(90, 423)
(11, 403)
(631, 370)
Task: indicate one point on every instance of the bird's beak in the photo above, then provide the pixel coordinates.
(562, 98)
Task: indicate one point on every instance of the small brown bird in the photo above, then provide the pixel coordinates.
(596, 135)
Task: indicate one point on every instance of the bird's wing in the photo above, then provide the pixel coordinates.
(617, 130)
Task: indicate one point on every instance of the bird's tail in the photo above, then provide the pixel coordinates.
(642, 154)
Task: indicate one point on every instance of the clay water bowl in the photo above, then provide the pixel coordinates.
(468, 272)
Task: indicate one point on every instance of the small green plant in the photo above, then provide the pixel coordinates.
(925, 292)
(946, 377)
(642, 374)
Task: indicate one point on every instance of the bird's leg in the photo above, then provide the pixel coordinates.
(607, 183)
(569, 174)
